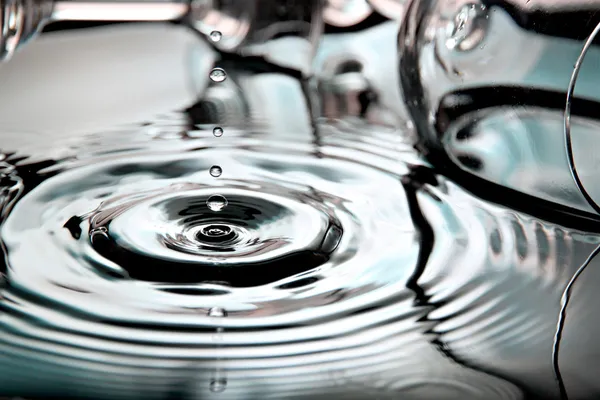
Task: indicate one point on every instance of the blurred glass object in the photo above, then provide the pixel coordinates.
(20, 20)
(283, 32)
(344, 13)
(485, 82)
(357, 77)
(392, 9)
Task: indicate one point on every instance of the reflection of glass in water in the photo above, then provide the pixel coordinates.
(486, 106)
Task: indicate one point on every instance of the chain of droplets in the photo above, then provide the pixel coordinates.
(566, 296)
(217, 203)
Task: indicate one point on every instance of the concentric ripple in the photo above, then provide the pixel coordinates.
(259, 238)
(123, 281)
(124, 229)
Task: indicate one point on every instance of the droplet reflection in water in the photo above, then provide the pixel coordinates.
(217, 312)
(216, 202)
(215, 171)
(218, 131)
(218, 385)
(218, 75)
(215, 36)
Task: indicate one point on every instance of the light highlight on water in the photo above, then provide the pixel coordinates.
(305, 273)
(217, 312)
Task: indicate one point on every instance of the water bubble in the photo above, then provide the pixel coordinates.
(216, 202)
(218, 75)
(216, 171)
(215, 36)
(217, 312)
(218, 385)
(218, 131)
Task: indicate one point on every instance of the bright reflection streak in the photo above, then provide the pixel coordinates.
(114, 11)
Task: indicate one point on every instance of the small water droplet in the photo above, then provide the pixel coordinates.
(218, 75)
(215, 36)
(218, 132)
(217, 312)
(216, 202)
(215, 171)
(218, 385)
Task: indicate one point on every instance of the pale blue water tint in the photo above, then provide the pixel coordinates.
(416, 290)
(329, 262)
(490, 114)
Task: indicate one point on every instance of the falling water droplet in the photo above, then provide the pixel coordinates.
(218, 75)
(215, 171)
(215, 36)
(217, 312)
(218, 385)
(218, 132)
(216, 202)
